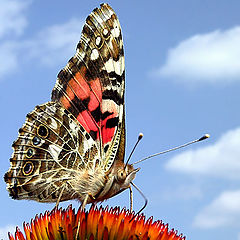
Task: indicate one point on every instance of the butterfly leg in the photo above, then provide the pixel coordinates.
(60, 195)
(131, 198)
(82, 209)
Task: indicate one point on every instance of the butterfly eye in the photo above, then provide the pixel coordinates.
(121, 176)
(29, 153)
(42, 131)
(28, 168)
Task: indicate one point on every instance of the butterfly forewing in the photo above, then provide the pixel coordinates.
(91, 86)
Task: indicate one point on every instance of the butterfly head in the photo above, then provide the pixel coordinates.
(120, 179)
(126, 175)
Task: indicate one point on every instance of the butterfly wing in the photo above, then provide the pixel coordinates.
(47, 154)
(92, 84)
(83, 126)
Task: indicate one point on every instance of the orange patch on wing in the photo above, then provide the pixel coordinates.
(65, 102)
(97, 88)
(87, 121)
(95, 95)
(107, 134)
(82, 121)
(79, 86)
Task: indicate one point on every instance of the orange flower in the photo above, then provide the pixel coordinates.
(95, 224)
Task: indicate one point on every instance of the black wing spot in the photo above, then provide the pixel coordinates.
(42, 131)
(106, 148)
(20, 130)
(6, 177)
(78, 106)
(87, 136)
(113, 95)
(54, 196)
(82, 129)
(112, 122)
(93, 134)
(14, 144)
(118, 78)
(106, 114)
(96, 114)
(66, 111)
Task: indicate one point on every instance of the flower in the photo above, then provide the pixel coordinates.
(99, 223)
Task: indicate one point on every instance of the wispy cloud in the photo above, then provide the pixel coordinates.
(220, 159)
(55, 42)
(205, 58)
(50, 46)
(13, 21)
(8, 58)
(223, 211)
(12, 17)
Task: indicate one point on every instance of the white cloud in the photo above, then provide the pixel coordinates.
(8, 58)
(55, 42)
(211, 58)
(223, 211)
(4, 231)
(12, 17)
(13, 21)
(220, 159)
(49, 47)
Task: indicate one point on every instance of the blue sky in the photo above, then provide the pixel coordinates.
(182, 80)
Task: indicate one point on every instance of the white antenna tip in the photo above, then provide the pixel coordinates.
(140, 136)
(204, 137)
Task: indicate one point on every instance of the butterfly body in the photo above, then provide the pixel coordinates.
(73, 146)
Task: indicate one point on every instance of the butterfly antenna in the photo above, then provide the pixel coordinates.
(140, 136)
(145, 204)
(175, 148)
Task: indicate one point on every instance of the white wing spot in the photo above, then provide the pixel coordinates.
(54, 151)
(98, 40)
(94, 54)
(117, 66)
(105, 32)
(73, 127)
(53, 124)
(115, 31)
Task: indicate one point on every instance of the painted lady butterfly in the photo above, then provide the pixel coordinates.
(73, 146)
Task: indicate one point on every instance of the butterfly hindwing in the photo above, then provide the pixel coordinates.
(47, 154)
(91, 86)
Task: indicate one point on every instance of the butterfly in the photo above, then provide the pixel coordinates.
(73, 146)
